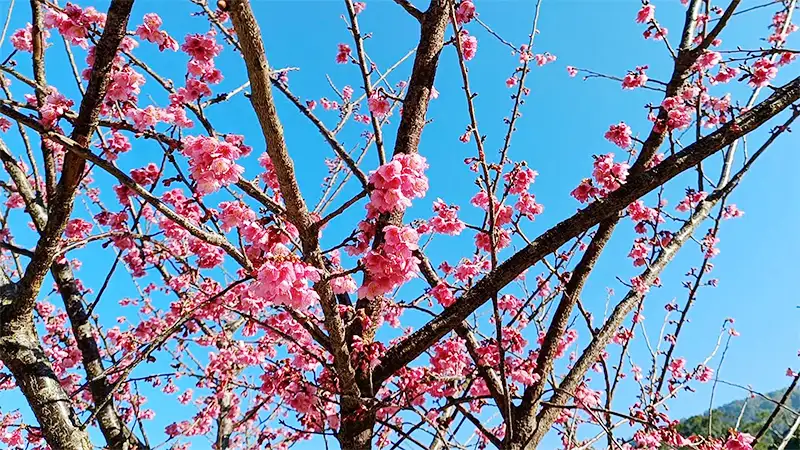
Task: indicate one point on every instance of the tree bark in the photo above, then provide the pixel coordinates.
(24, 356)
(116, 433)
(356, 429)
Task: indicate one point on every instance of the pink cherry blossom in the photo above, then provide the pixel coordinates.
(762, 72)
(328, 104)
(692, 199)
(21, 39)
(609, 174)
(393, 264)
(446, 220)
(150, 32)
(636, 78)
(732, 212)
(544, 58)
(124, 85)
(465, 11)
(646, 14)
(739, 441)
(211, 162)
(707, 60)
(520, 179)
(469, 45)
(74, 23)
(56, 105)
(704, 374)
(201, 47)
(572, 71)
(398, 182)
(679, 113)
(443, 294)
(77, 229)
(378, 105)
(725, 74)
(527, 206)
(285, 280)
(343, 54)
(585, 191)
(620, 134)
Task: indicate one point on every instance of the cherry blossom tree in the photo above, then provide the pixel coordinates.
(261, 315)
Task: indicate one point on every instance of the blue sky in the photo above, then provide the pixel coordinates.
(562, 126)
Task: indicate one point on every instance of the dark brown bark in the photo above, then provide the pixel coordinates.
(254, 54)
(355, 431)
(74, 166)
(116, 433)
(20, 348)
(22, 353)
(547, 353)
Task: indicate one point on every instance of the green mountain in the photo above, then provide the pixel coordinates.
(754, 413)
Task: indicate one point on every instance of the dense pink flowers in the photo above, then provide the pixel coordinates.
(609, 174)
(124, 85)
(707, 61)
(465, 12)
(620, 134)
(212, 163)
(739, 441)
(725, 74)
(150, 32)
(469, 45)
(21, 39)
(203, 48)
(235, 214)
(692, 199)
(527, 206)
(679, 113)
(378, 105)
(392, 264)
(343, 55)
(55, 106)
(74, 23)
(398, 182)
(636, 78)
(443, 294)
(762, 72)
(446, 220)
(646, 14)
(284, 280)
(77, 229)
(638, 212)
(585, 191)
(520, 179)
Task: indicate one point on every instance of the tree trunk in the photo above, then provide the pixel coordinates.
(356, 429)
(117, 435)
(22, 353)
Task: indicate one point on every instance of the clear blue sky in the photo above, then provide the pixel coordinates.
(562, 126)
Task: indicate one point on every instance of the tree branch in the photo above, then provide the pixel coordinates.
(636, 186)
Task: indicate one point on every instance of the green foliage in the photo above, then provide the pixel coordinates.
(755, 414)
